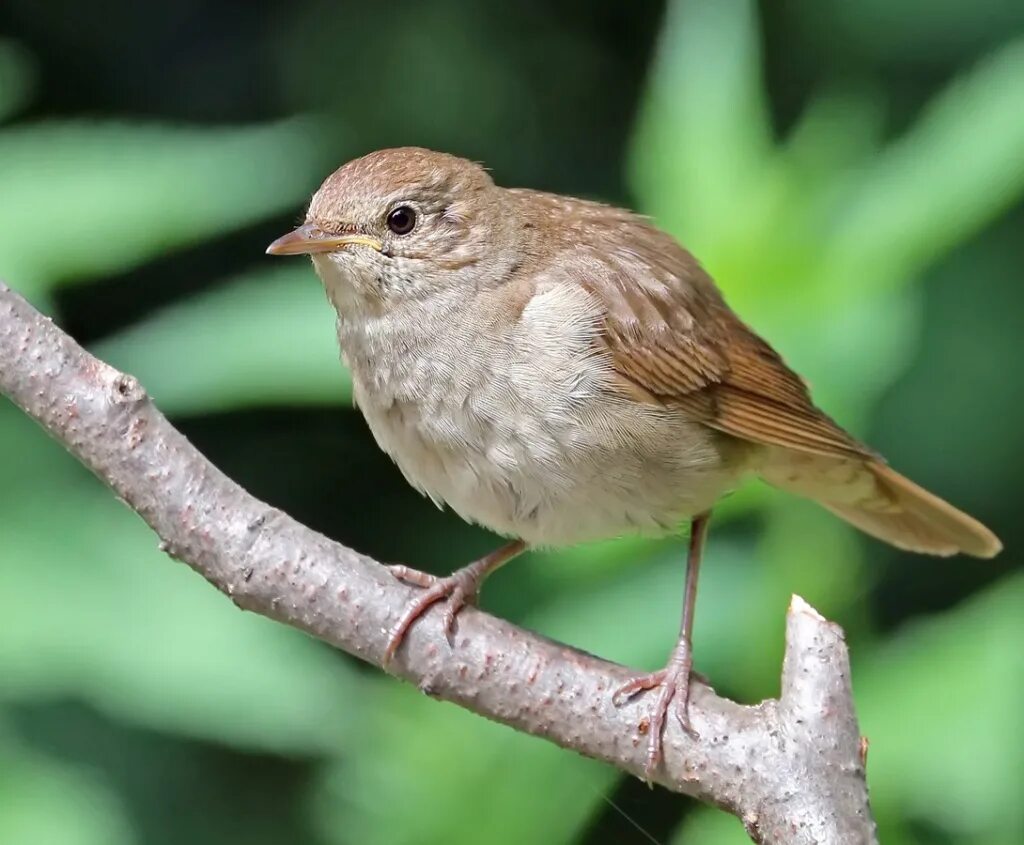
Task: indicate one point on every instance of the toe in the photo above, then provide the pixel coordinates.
(682, 710)
(408, 575)
(656, 730)
(636, 685)
(653, 760)
(624, 693)
(682, 707)
(413, 611)
(456, 601)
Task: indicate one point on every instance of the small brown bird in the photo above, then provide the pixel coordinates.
(560, 371)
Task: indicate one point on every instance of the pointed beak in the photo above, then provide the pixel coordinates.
(310, 238)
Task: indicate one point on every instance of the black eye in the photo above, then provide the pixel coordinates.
(402, 220)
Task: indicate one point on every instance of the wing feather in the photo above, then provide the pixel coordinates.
(672, 340)
(672, 337)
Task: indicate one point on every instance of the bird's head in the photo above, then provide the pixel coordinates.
(403, 224)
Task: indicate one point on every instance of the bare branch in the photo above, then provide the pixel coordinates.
(791, 769)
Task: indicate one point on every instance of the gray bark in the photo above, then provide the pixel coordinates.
(791, 769)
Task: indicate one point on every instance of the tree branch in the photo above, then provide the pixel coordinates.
(791, 769)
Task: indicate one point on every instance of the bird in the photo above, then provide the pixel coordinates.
(560, 370)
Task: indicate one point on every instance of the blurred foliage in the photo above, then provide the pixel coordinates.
(868, 224)
(263, 338)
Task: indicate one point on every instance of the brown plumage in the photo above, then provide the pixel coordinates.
(674, 341)
(559, 371)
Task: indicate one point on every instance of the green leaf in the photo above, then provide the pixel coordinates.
(80, 199)
(455, 775)
(263, 339)
(840, 129)
(956, 169)
(44, 801)
(27, 453)
(703, 128)
(93, 611)
(709, 826)
(959, 682)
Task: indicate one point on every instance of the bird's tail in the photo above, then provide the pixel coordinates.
(880, 502)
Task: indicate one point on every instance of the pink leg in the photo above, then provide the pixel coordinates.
(672, 682)
(457, 590)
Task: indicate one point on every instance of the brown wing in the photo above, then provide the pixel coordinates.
(674, 340)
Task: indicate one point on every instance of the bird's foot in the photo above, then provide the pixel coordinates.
(456, 591)
(672, 684)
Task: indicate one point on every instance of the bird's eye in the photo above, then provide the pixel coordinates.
(402, 220)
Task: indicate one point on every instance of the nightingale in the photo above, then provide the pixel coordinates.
(560, 371)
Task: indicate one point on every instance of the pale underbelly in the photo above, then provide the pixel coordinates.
(564, 485)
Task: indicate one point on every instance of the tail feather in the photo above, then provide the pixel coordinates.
(881, 502)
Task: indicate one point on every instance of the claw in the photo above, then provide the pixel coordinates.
(448, 589)
(637, 685)
(457, 590)
(672, 683)
(408, 575)
(683, 711)
(456, 601)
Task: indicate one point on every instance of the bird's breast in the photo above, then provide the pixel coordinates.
(505, 415)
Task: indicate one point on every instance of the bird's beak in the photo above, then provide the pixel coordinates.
(310, 238)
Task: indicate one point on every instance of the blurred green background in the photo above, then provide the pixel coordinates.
(853, 175)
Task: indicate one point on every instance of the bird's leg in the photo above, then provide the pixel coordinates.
(672, 682)
(457, 590)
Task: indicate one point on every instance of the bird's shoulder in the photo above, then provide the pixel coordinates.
(670, 335)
